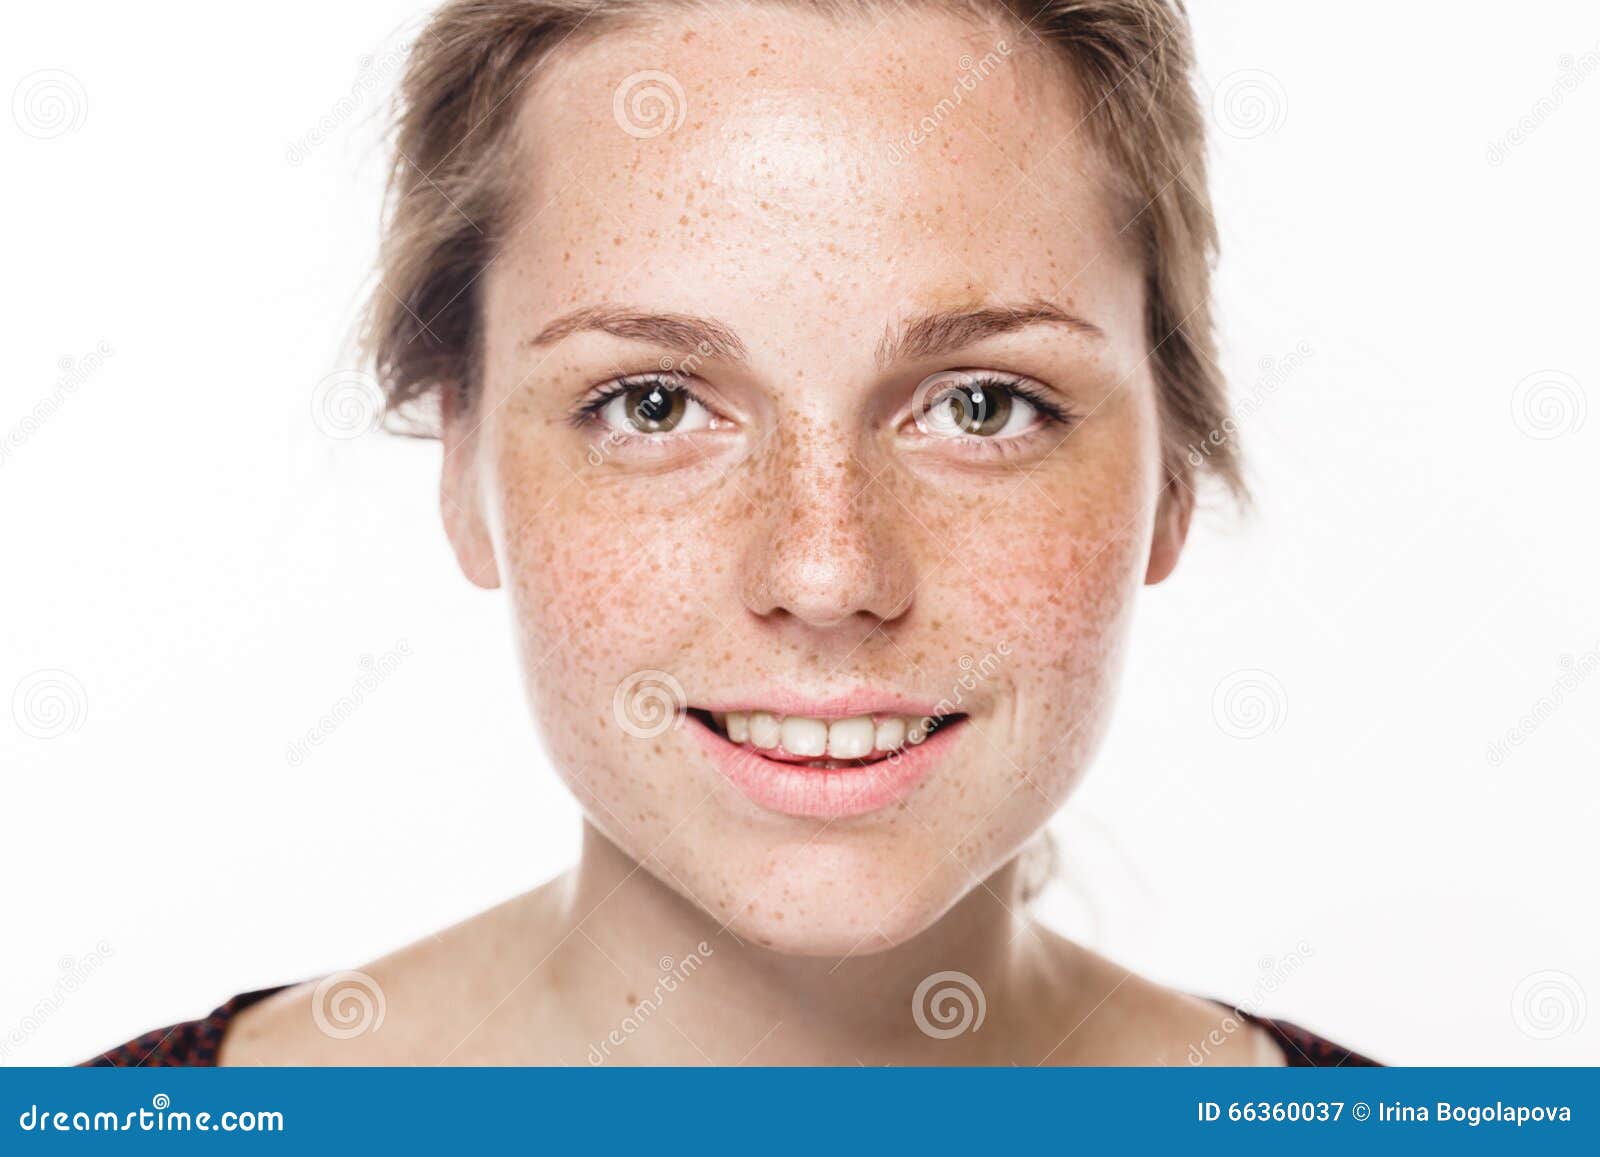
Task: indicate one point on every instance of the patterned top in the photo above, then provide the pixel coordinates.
(197, 1042)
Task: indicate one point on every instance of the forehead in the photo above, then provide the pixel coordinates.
(724, 158)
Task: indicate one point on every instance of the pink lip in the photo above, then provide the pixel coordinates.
(833, 793)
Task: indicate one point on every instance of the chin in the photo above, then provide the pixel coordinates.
(838, 900)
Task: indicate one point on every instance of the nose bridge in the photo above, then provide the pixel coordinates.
(832, 547)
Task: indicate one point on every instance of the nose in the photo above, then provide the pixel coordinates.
(832, 545)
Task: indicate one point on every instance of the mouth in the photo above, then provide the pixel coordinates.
(822, 766)
(823, 744)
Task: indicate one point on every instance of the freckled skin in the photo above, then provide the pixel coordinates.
(809, 543)
(807, 536)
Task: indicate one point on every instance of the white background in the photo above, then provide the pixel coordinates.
(210, 568)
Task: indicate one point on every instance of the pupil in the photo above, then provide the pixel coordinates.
(978, 412)
(655, 408)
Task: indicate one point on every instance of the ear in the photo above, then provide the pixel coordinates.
(1171, 526)
(461, 497)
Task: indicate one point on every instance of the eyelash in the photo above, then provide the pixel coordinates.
(1048, 410)
(588, 411)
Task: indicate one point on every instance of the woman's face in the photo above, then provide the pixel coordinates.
(816, 402)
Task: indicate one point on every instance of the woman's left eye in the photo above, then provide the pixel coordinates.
(651, 406)
(976, 408)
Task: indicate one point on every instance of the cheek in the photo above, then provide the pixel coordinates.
(1034, 593)
(607, 581)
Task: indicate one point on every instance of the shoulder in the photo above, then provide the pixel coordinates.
(441, 1000)
(1131, 1020)
(1303, 1048)
(189, 1043)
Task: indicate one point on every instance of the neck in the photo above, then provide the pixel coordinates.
(678, 987)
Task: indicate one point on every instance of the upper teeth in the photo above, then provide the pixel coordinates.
(851, 738)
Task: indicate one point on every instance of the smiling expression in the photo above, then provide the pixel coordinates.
(822, 470)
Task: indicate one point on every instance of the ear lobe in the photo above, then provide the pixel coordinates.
(461, 494)
(1171, 529)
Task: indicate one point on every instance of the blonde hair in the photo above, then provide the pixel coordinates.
(451, 199)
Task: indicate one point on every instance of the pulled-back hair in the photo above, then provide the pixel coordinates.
(451, 200)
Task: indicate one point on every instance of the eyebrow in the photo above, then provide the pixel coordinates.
(922, 335)
(946, 330)
(676, 331)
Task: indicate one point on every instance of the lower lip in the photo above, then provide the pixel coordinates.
(824, 793)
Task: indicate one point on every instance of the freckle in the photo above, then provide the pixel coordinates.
(684, 220)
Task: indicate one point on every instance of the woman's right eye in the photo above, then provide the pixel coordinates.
(653, 406)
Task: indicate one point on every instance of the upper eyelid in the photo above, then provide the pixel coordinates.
(1035, 392)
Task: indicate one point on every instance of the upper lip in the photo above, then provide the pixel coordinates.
(842, 706)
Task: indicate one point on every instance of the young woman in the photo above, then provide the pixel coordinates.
(816, 380)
